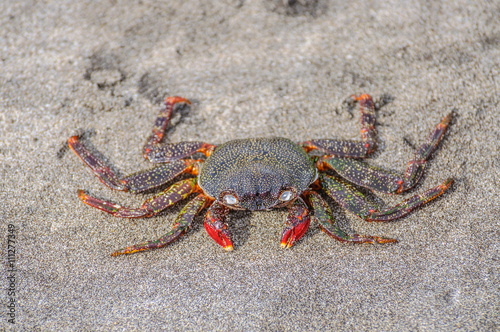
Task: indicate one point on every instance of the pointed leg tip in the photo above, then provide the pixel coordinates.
(127, 251)
(73, 139)
(177, 99)
(384, 240)
(363, 96)
(447, 184)
(81, 194)
(123, 251)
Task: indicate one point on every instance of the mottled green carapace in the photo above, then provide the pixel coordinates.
(257, 171)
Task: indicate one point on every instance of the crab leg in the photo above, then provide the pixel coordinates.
(169, 152)
(136, 182)
(296, 224)
(216, 227)
(181, 225)
(323, 215)
(354, 201)
(351, 149)
(173, 194)
(375, 178)
(157, 152)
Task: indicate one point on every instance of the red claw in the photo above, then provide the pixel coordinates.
(221, 236)
(215, 225)
(290, 236)
(297, 223)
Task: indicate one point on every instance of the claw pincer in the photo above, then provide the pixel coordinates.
(297, 223)
(216, 227)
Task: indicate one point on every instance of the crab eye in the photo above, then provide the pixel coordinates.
(229, 199)
(286, 195)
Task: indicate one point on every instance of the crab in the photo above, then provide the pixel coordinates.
(261, 174)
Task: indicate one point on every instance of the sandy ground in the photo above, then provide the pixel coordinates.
(252, 68)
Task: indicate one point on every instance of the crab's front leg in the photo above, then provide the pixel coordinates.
(173, 194)
(158, 152)
(181, 225)
(216, 227)
(297, 223)
(351, 149)
(323, 215)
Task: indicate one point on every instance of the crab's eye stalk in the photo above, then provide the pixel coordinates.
(286, 196)
(230, 199)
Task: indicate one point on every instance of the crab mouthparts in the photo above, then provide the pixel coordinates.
(259, 201)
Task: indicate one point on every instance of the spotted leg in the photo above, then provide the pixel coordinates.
(181, 225)
(176, 192)
(136, 182)
(378, 179)
(354, 201)
(351, 149)
(216, 227)
(323, 215)
(296, 224)
(157, 152)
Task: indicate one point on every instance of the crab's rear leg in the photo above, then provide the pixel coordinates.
(136, 182)
(181, 225)
(351, 149)
(157, 152)
(378, 179)
(354, 201)
(216, 227)
(173, 194)
(296, 224)
(323, 215)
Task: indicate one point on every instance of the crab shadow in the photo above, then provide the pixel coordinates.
(240, 226)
